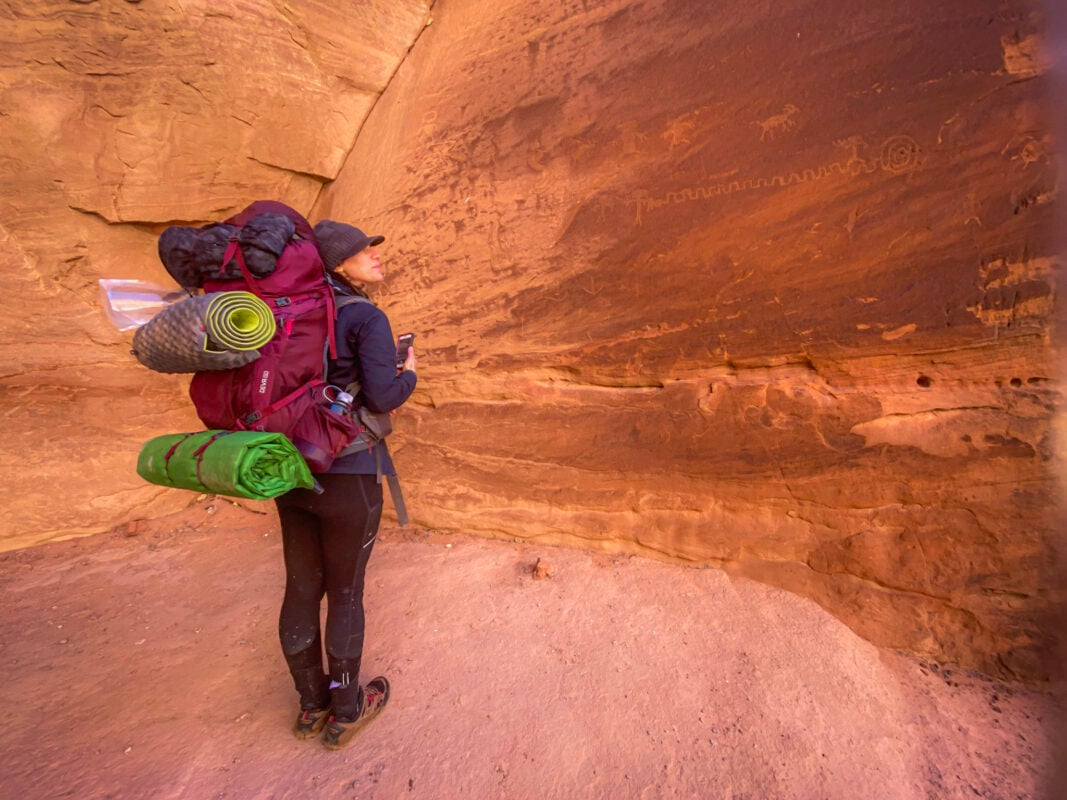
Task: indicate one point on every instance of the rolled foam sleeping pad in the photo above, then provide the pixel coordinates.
(254, 464)
(221, 330)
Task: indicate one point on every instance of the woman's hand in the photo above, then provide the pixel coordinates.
(410, 361)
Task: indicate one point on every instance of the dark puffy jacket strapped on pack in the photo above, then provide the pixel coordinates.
(195, 255)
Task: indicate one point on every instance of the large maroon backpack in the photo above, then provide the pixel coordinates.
(283, 390)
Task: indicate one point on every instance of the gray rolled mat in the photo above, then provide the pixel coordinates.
(205, 332)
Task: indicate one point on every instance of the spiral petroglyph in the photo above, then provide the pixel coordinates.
(900, 154)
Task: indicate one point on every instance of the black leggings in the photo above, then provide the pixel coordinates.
(327, 540)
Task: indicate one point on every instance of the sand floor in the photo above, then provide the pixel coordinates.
(144, 663)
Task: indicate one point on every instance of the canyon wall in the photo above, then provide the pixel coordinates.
(766, 286)
(761, 286)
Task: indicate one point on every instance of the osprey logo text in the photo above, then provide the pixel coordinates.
(263, 381)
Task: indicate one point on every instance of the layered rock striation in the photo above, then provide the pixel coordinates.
(766, 287)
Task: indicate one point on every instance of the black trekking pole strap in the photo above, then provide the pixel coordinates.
(394, 487)
(398, 500)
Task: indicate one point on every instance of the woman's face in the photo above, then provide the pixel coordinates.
(364, 267)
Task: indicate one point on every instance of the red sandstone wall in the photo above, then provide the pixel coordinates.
(763, 286)
(117, 119)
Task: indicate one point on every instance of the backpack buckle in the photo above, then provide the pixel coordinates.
(255, 416)
(282, 302)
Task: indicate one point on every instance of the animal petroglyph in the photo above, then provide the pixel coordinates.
(898, 154)
(778, 122)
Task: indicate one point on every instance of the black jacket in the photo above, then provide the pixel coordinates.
(366, 352)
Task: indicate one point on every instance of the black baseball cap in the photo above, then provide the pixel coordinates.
(339, 241)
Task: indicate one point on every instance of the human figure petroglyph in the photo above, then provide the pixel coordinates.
(852, 144)
(899, 154)
(642, 198)
(778, 122)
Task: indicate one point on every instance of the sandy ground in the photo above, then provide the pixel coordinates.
(144, 664)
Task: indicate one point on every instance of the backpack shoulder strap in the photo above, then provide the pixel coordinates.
(339, 302)
(349, 299)
(363, 442)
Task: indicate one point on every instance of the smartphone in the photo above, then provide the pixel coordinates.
(405, 341)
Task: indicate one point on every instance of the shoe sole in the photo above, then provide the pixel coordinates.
(352, 728)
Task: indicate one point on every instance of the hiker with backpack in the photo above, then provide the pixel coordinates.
(325, 346)
(328, 537)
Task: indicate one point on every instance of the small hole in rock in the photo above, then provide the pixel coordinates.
(1016, 382)
(924, 381)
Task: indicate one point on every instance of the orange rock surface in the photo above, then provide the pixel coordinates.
(768, 287)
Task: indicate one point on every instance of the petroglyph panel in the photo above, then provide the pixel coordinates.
(678, 248)
(898, 154)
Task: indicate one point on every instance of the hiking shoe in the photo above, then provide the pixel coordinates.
(310, 721)
(375, 696)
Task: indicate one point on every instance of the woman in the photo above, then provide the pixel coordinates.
(328, 538)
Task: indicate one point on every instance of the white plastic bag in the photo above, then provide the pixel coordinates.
(131, 303)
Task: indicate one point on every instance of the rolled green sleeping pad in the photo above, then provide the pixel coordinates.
(237, 321)
(221, 330)
(254, 464)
